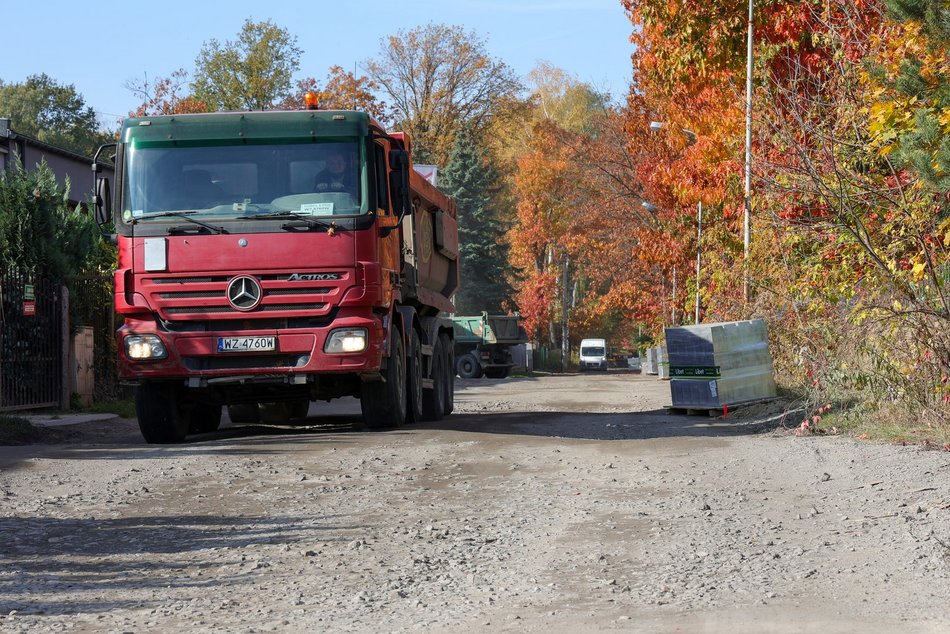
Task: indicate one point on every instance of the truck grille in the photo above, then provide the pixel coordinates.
(247, 362)
(195, 297)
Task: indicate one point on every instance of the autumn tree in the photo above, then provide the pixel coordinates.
(541, 140)
(849, 254)
(436, 78)
(254, 72)
(555, 96)
(562, 98)
(472, 181)
(164, 95)
(51, 112)
(627, 237)
(544, 216)
(341, 90)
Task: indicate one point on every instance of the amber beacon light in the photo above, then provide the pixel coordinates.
(310, 101)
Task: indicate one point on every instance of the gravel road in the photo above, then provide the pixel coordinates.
(554, 504)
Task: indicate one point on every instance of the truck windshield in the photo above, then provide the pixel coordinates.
(229, 182)
(593, 352)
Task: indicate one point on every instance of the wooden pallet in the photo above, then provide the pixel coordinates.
(712, 412)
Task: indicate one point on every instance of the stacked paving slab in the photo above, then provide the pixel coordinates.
(662, 363)
(712, 365)
(648, 365)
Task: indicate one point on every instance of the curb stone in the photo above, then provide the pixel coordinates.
(61, 420)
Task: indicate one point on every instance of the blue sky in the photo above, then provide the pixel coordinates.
(99, 46)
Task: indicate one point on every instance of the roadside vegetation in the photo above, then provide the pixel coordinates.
(124, 408)
(17, 430)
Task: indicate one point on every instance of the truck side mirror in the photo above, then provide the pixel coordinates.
(102, 198)
(103, 201)
(399, 181)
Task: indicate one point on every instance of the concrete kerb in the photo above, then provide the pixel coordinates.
(61, 420)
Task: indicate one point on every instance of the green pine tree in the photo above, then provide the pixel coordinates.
(472, 181)
(926, 148)
(40, 233)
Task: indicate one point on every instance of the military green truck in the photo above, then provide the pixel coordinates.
(483, 344)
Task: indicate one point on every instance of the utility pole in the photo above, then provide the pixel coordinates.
(747, 215)
(674, 296)
(699, 254)
(565, 339)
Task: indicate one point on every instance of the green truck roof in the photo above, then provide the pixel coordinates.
(245, 126)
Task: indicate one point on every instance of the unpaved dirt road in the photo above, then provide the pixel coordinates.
(554, 504)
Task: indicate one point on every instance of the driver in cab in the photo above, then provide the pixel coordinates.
(337, 175)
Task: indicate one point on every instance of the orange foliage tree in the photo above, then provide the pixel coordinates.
(164, 95)
(542, 184)
(341, 90)
(849, 253)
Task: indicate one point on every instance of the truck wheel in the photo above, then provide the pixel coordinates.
(433, 401)
(299, 409)
(468, 366)
(274, 413)
(414, 379)
(497, 373)
(384, 402)
(449, 384)
(244, 414)
(159, 413)
(204, 418)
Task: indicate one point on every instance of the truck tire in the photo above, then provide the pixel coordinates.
(498, 373)
(383, 403)
(433, 401)
(449, 385)
(274, 413)
(299, 409)
(204, 418)
(244, 414)
(158, 409)
(414, 379)
(468, 366)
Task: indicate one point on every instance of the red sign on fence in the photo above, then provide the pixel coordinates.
(29, 308)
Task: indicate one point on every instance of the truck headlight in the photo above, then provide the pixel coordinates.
(346, 340)
(145, 347)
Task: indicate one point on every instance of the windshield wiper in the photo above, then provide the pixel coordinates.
(308, 221)
(184, 215)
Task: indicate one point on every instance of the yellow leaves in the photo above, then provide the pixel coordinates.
(887, 119)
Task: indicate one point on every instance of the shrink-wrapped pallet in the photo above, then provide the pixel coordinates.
(712, 365)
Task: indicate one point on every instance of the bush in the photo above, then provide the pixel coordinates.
(39, 233)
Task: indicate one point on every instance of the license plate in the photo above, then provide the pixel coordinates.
(246, 344)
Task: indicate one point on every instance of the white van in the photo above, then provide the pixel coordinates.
(593, 355)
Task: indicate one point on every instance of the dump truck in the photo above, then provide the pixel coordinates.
(483, 344)
(252, 277)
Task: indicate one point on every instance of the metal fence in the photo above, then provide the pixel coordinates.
(91, 303)
(31, 341)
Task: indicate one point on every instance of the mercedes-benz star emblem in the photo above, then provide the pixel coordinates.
(244, 293)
